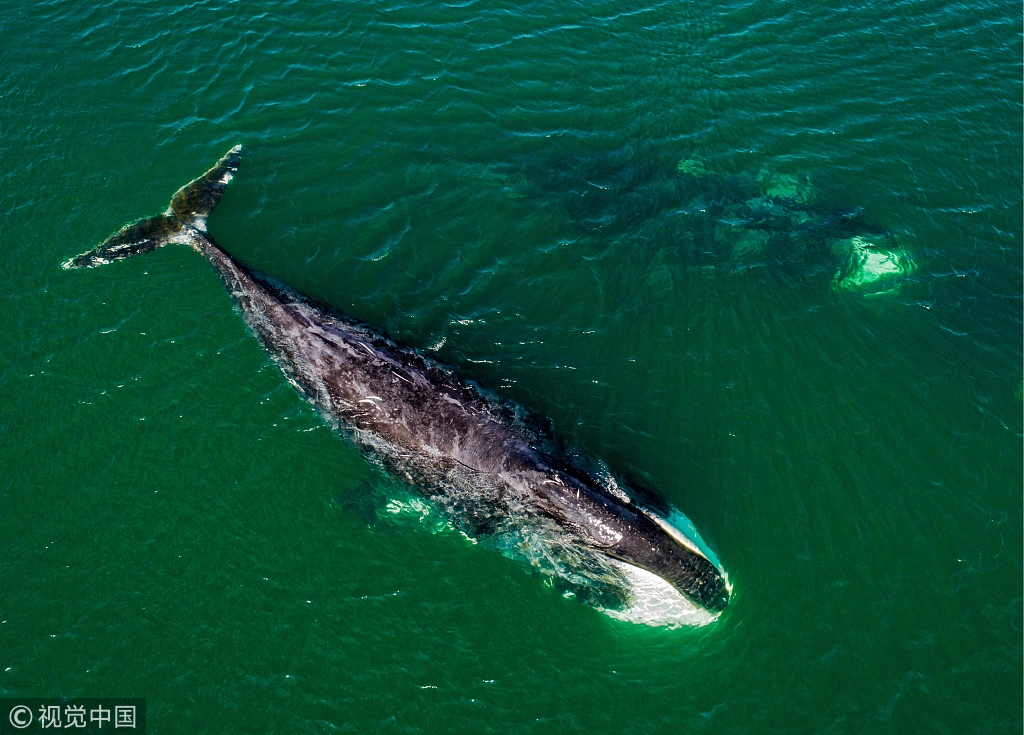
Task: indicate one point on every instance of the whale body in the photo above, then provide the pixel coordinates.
(462, 447)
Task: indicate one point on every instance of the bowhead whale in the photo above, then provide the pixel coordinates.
(453, 441)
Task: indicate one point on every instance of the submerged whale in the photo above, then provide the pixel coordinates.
(460, 446)
(784, 227)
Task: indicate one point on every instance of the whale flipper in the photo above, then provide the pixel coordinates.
(190, 206)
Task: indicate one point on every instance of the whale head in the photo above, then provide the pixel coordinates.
(654, 544)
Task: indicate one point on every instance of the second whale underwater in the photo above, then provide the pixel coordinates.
(470, 452)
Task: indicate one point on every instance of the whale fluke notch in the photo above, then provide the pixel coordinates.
(189, 209)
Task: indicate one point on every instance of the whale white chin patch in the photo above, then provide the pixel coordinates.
(877, 270)
(657, 603)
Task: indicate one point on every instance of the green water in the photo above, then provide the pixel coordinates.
(176, 524)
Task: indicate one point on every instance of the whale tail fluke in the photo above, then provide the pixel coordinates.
(190, 206)
(192, 203)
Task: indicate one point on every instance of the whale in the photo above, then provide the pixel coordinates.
(468, 450)
(782, 227)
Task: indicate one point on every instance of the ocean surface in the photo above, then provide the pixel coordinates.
(765, 257)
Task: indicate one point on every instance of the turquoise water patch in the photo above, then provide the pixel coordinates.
(691, 166)
(786, 187)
